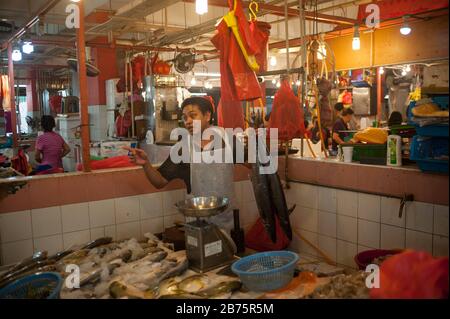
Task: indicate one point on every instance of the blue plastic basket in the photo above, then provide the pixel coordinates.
(45, 285)
(424, 150)
(438, 130)
(266, 271)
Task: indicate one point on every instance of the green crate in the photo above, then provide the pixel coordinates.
(372, 151)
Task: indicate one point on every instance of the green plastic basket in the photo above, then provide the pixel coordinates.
(369, 151)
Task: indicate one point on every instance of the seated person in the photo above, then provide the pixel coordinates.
(339, 128)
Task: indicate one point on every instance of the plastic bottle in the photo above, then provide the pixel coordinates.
(394, 150)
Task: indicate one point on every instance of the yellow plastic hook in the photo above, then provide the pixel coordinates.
(253, 7)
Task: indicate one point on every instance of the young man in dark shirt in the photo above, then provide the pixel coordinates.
(340, 126)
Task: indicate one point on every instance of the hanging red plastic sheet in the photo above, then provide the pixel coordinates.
(413, 275)
(238, 81)
(287, 115)
(230, 114)
(260, 33)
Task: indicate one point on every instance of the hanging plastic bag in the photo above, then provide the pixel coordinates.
(20, 163)
(287, 115)
(258, 239)
(260, 32)
(413, 275)
(123, 123)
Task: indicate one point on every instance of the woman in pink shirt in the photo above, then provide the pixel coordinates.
(50, 146)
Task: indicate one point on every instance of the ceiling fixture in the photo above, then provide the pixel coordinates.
(16, 55)
(201, 6)
(27, 47)
(408, 68)
(273, 60)
(278, 84)
(297, 83)
(381, 70)
(193, 81)
(404, 72)
(356, 43)
(405, 29)
(274, 81)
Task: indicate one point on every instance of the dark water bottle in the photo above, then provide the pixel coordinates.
(237, 233)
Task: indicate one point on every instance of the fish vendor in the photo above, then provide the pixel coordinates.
(201, 179)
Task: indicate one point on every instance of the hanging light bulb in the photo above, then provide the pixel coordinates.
(408, 68)
(356, 42)
(381, 70)
(273, 60)
(27, 47)
(404, 72)
(321, 52)
(16, 55)
(297, 83)
(278, 84)
(405, 29)
(201, 6)
(193, 81)
(274, 81)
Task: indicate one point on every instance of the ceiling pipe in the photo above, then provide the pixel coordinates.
(35, 18)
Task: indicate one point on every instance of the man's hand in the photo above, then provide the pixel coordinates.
(137, 156)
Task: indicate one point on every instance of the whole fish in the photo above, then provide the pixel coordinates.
(279, 202)
(37, 256)
(119, 289)
(220, 289)
(260, 183)
(97, 242)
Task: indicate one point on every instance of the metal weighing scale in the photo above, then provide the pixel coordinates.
(207, 246)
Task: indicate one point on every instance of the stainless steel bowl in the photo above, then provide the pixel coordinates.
(203, 206)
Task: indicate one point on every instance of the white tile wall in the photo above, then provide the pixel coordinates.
(419, 216)
(75, 217)
(346, 253)
(327, 224)
(328, 245)
(97, 232)
(127, 209)
(16, 251)
(347, 228)
(110, 231)
(441, 220)
(313, 238)
(327, 199)
(15, 226)
(128, 230)
(392, 237)
(305, 218)
(307, 196)
(102, 213)
(151, 205)
(368, 233)
(76, 238)
(347, 203)
(369, 207)
(390, 212)
(154, 225)
(169, 221)
(52, 244)
(46, 221)
(170, 199)
(440, 245)
(419, 241)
